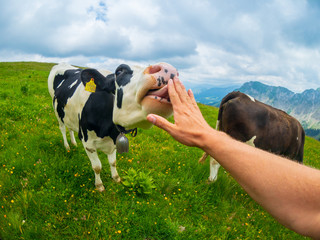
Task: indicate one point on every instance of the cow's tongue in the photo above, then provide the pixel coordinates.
(162, 92)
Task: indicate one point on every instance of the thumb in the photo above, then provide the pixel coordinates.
(160, 122)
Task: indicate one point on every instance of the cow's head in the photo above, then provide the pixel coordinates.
(140, 91)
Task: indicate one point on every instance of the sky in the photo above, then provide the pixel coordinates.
(211, 43)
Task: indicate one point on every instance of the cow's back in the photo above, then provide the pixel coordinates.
(272, 129)
(68, 94)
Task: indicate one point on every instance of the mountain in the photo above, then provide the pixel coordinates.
(304, 106)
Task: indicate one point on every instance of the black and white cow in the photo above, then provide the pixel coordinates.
(259, 125)
(98, 104)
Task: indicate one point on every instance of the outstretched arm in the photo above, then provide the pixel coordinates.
(289, 191)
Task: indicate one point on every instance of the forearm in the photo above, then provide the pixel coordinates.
(287, 190)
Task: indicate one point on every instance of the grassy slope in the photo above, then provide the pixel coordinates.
(48, 193)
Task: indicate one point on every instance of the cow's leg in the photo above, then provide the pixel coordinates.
(96, 166)
(214, 167)
(113, 166)
(73, 140)
(64, 135)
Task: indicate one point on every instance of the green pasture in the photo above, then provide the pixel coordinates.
(47, 192)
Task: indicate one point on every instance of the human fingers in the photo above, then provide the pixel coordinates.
(174, 98)
(160, 122)
(192, 99)
(181, 90)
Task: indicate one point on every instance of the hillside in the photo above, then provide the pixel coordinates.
(47, 192)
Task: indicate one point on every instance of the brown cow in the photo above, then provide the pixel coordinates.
(260, 125)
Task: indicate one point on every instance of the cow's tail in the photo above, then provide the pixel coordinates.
(203, 158)
(301, 147)
(51, 79)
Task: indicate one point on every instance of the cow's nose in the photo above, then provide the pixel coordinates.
(154, 69)
(163, 72)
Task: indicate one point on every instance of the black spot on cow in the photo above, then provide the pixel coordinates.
(119, 97)
(164, 82)
(97, 116)
(161, 81)
(166, 70)
(123, 75)
(172, 76)
(64, 86)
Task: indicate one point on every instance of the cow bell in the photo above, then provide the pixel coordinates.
(122, 143)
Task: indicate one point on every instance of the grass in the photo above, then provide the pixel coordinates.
(48, 193)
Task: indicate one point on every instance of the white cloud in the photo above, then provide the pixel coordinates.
(216, 43)
(143, 13)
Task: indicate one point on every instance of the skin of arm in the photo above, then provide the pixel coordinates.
(289, 191)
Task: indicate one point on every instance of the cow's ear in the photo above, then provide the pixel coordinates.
(94, 81)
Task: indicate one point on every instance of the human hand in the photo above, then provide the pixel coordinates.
(189, 126)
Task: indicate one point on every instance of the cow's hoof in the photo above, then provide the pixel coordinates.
(100, 188)
(116, 178)
(67, 147)
(212, 179)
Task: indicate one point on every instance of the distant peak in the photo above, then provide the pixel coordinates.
(254, 83)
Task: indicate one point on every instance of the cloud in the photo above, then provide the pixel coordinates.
(210, 42)
(59, 29)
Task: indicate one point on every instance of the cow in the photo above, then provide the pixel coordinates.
(259, 125)
(101, 105)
